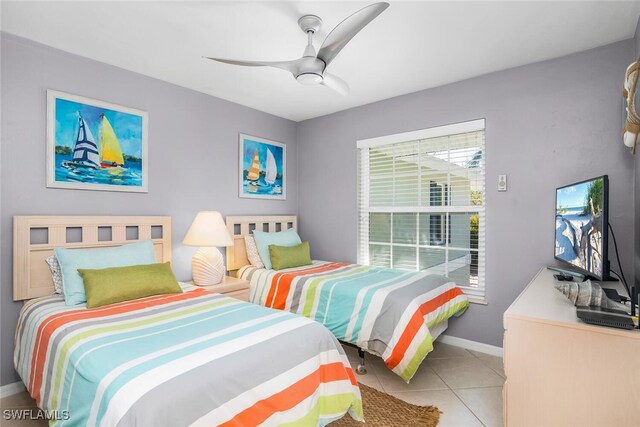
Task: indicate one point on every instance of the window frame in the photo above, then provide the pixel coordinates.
(477, 294)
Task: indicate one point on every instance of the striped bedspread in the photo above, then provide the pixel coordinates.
(384, 311)
(194, 358)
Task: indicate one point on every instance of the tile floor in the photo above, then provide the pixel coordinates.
(20, 401)
(465, 385)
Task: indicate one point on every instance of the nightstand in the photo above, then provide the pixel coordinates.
(230, 286)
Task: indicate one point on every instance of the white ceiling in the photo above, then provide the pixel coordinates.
(411, 46)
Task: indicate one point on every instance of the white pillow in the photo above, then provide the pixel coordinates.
(54, 266)
(252, 251)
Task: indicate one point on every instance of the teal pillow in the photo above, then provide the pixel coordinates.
(71, 260)
(290, 256)
(282, 238)
(117, 284)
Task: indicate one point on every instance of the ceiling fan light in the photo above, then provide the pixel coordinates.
(309, 79)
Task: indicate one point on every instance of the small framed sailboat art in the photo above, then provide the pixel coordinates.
(262, 168)
(95, 145)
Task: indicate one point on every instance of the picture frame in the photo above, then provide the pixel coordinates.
(95, 145)
(262, 168)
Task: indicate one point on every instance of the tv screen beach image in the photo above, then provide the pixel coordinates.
(579, 222)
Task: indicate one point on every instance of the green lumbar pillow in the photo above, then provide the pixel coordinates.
(117, 284)
(281, 238)
(289, 256)
(71, 260)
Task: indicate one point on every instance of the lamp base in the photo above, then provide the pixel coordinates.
(207, 267)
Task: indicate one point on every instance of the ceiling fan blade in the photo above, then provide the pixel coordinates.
(291, 66)
(336, 83)
(347, 29)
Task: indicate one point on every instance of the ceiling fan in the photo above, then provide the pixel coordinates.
(311, 69)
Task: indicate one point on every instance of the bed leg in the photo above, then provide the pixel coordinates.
(360, 369)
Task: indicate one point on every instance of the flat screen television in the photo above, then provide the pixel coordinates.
(581, 238)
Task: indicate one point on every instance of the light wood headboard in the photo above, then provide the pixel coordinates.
(240, 226)
(31, 274)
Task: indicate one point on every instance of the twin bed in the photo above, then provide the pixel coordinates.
(393, 314)
(200, 358)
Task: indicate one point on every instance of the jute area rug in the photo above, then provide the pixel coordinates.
(382, 410)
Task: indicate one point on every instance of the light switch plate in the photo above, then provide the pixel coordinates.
(502, 182)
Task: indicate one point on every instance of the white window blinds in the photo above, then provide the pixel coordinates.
(421, 203)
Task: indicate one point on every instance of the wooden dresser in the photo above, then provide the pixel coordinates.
(563, 372)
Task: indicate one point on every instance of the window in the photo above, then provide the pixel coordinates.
(421, 203)
(437, 222)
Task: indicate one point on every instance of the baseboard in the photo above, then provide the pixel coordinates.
(471, 345)
(11, 389)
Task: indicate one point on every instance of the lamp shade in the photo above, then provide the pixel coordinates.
(208, 230)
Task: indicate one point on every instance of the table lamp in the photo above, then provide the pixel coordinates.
(209, 232)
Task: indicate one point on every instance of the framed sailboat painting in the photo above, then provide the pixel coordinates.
(262, 168)
(95, 145)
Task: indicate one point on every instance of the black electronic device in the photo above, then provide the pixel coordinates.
(605, 317)
(579, 277)
(612, 294)
(563, 277)
(581, 227)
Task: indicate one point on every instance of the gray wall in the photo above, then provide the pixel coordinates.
(193, 151)
(548, 124)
